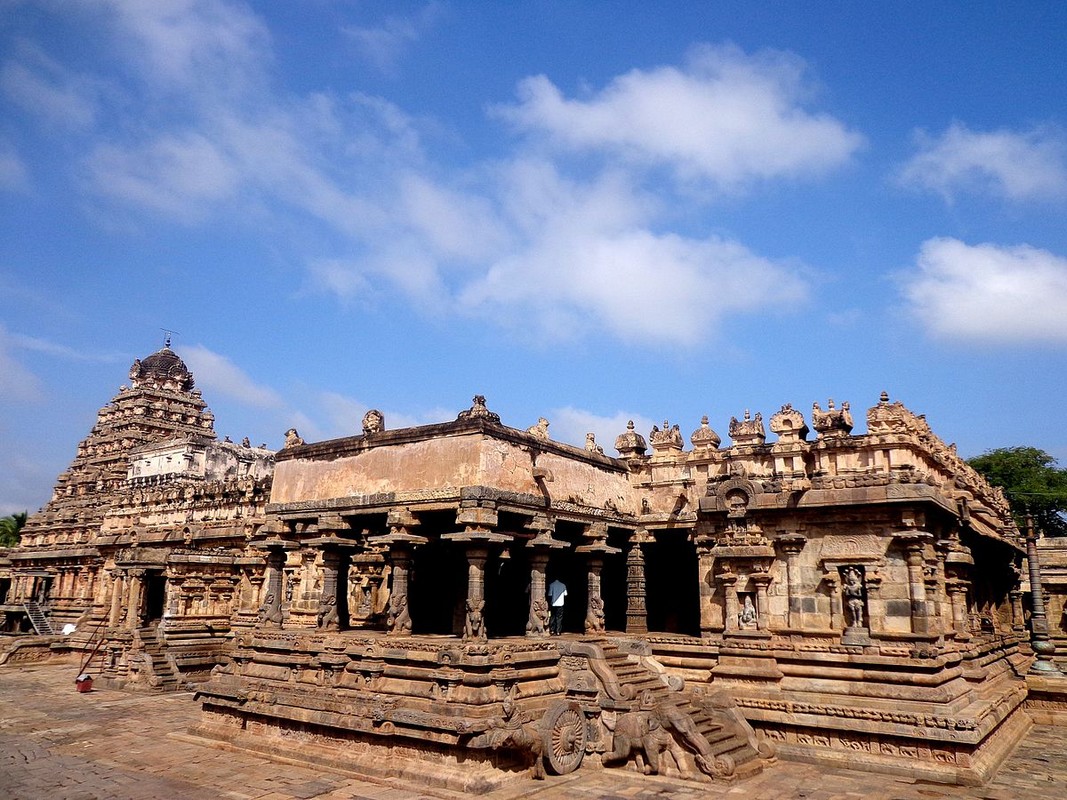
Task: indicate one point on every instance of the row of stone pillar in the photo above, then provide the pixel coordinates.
(127, 592)
(478, 544)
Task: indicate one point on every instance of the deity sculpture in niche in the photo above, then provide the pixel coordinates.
(853, 590)
(747, 617)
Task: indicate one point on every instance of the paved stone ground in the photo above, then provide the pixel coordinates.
(61, 745)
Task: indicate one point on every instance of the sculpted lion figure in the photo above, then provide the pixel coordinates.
(540, 430)
(373, 422)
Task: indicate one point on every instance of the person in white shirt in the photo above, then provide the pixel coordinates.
(557, 598)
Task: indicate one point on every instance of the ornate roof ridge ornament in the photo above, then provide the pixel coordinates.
(832, 422)
(749, 430)
(630, 443)
(789, 425)
(373, 422)
(668, 439)
(164, 369)
(478, 410)
(704, 438)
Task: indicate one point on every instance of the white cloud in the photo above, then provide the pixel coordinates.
(592, 261)
(521, 241)
(24, 480)
(18, 385)
(218, 375)
(13, 173)
(571, 424)
(726, 117)
(38, 345)
(46, 89)
(1021, 165)
(202, 49)
(345, 415)
(384, 44)
(177, 175)
(989, 293)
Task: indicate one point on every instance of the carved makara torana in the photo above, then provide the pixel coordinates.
(412, 577)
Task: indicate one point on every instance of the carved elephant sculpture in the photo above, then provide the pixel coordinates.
(641, 735)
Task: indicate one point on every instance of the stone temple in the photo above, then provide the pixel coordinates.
(386, 600)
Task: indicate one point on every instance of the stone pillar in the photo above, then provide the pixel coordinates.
(535, 625)
(917, 589)
(595, 551)
(710, 610)
(636, 610)
(729, 584)
(914, 545)
(1018, 619)
(117, 590)
(133, 612)
(540, 547)
(934, 584)
(329, 613)
(791, 545)
(1043, 647)
(332, 611)
(400, 542)
(837, 615)
(594, 614)
(762, 581)
(399, 619)
(271, 610)
(474, 626)
(174, 586)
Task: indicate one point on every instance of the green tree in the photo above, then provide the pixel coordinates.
(1033, 483)
(10, 527)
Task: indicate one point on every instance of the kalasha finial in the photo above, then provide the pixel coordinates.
(166, 337)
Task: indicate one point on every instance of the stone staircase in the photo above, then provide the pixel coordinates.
(160, 673)
(41, 624)
(732, 750)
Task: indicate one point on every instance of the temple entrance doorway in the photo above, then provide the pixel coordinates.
(571, 568)
(507, 592)
(155, 593)
(672, 594)
(437, 589)
(42, 589)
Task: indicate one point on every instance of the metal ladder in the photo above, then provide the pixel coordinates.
(40, 622)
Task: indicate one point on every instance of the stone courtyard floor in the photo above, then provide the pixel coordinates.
(61, 745)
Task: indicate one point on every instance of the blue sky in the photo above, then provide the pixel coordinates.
(591, 212)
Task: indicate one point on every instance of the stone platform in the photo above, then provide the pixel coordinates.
(60, 744)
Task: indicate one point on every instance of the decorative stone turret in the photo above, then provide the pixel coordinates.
(889, 417)
(668, 440)
(750, 430)
(704, 438)
(631, 443)
(789, 424)
(833, 422)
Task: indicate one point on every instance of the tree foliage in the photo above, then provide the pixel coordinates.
(1033, 483)
(10, 527)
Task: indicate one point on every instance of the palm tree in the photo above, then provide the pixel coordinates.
(10, 527)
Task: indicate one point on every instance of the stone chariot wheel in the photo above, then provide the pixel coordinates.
(563, 729)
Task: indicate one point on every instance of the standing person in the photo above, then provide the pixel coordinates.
(557, 598)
